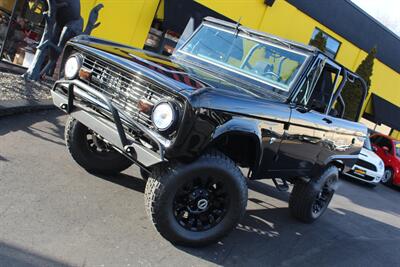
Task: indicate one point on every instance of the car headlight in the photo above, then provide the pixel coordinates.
(72, 67)
(164, 116)
(381, 166)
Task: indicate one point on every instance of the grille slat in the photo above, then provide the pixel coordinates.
(123, 88)
(366, 165)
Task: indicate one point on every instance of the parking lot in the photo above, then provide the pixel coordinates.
(54, 213)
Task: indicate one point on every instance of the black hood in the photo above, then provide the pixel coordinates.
(186, 75)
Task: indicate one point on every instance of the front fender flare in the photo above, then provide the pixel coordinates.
(242, 126)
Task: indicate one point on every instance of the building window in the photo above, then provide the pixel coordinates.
(21, 28)
(331, 45)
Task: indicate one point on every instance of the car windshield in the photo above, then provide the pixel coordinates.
(268, 63)
(397, 146)
(367, 144)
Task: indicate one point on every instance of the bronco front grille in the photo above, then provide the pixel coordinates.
(124, 88)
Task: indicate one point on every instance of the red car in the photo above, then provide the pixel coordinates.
(388, 149)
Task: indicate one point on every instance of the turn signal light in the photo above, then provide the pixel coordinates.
(145, 106)
(85, 74)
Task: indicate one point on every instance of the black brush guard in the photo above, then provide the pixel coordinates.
(113, 131)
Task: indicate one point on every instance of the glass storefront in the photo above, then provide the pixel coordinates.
(21, 28)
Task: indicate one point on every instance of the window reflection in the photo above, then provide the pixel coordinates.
(21, 28)
(332, 45)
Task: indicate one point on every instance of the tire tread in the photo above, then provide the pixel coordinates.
(155, 187)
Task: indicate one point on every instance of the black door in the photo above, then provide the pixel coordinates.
(310, 131)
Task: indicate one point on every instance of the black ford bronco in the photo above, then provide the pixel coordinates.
(230, 105)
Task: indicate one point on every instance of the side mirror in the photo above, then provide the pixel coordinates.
(386, 149)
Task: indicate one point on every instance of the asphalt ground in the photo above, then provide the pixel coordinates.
(53, 213)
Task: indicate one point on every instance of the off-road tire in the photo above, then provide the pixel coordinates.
(106, 164)
(164, 182)
(304, 195)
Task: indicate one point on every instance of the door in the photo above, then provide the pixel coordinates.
(305, 138)
(310, 131)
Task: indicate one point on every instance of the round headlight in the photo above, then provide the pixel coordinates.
(163, 116)
(72, 67)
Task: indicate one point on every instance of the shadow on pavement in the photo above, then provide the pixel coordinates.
(125, 180)
(269, 236)
(381, 198)
(54, 133)
(15, 256)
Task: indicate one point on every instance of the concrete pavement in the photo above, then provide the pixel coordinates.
(53, 213)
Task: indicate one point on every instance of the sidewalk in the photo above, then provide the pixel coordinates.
(18, 96)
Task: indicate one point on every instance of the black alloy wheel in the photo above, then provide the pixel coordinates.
(196, 204)
(201, 203)
(323, 198)
(309, 200)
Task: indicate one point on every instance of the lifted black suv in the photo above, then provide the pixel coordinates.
(228, 97)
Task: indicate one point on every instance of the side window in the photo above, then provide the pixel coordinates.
(389, 144)
(306, 89)
(382, 141)
(374, 139)
(353, 97)
(316, 91)
(348, 103)
(324, 88)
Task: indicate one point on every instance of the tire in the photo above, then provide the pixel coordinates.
(387, 178)
(175, 194)
(105, 161)
(309, 200)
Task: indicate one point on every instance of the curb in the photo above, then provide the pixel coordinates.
(13, 107)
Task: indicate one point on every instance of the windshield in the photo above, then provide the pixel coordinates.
(367, 144)
(269, 63)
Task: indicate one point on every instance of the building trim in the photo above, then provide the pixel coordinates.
(348, 20)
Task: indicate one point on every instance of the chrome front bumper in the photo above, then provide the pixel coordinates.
(112, 131)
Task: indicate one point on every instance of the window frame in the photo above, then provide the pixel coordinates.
(321, 61)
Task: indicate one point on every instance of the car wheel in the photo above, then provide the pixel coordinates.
(91, 152)
(387, 176)
(309, 200)
(196, 204)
